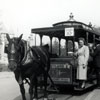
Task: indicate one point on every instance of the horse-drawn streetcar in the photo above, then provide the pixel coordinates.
(56, 62)
(63, 63)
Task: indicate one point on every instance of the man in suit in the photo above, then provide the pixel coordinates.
(96, 57)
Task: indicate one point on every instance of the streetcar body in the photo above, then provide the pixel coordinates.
(63, 64)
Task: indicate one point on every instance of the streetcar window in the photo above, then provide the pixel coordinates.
(37, 40)
(63, 47)
(70, 48)
(55, 46)
(45, 40)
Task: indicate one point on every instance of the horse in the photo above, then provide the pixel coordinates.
(28, 63)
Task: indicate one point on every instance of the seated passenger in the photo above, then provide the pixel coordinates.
(91, 49)
(76, 46)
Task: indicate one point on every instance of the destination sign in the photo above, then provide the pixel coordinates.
(69, 31)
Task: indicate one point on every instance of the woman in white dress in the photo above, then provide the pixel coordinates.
(82, 56)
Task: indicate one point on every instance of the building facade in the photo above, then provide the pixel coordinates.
(3, 42)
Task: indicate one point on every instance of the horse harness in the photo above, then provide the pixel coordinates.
(31, 54)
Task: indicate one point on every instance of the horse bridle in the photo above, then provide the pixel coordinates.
(13, 52)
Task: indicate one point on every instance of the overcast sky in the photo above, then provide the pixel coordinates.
(20, 16)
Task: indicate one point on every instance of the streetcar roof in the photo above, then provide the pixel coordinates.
(58, 29)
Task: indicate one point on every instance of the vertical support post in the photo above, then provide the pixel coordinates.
(66, 47)
(73, 44)
(51, 44)
(41, 40)
(59, 47)
(87, 34)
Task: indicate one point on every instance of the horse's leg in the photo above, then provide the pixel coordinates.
(45, 86)
(31, 88)
(33, 81)
(36, 92)
(22, 89)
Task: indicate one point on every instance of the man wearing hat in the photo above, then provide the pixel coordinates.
(96, 57)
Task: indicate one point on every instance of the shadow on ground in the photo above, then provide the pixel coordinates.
(20, 97)
(40, 96)
(63, 91)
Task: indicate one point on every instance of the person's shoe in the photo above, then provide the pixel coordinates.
(83, 85)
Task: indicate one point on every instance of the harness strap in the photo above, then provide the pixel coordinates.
(25, 47)
(36, 53)
(44, 55)
(28, 53)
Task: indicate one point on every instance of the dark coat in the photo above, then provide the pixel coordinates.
(96, 56)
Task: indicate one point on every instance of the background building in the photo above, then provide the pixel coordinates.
(31, 40)
(3, 55)
(3, 42)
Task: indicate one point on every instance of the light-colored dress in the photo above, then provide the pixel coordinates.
(83, 56)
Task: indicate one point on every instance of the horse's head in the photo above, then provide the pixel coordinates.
(13, 51)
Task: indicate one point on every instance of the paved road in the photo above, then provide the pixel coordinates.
(9, 90)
